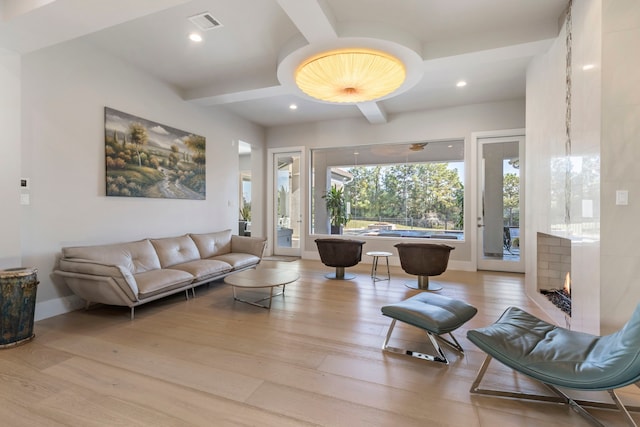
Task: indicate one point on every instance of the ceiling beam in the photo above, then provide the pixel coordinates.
(522, 50)
(373, 112)
(237, 96)
(313, 18)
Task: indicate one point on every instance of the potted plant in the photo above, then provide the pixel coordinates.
(336, 208)
(245, 217)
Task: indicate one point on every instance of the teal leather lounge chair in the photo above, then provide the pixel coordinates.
(559, 357)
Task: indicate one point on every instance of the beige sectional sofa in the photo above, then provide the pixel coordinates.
(134, 273)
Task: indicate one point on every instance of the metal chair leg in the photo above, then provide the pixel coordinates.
(439, 357)
(374, 269)
(340, 274)
(423, 284)
(561, 397)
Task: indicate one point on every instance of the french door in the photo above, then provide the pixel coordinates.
(500, 204)
(286, 202)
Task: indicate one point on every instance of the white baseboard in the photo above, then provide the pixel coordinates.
(54, 307)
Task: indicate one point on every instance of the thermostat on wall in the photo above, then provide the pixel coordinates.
(24, 183)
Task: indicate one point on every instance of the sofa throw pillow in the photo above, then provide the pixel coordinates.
(213, 244)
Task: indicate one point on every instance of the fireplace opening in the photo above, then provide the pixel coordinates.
(554, 270)
(561, 298)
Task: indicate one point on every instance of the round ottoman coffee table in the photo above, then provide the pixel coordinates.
(263, 278)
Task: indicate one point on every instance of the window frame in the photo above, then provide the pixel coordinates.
(336, 162)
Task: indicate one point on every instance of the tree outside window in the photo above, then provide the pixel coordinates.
(394, 198)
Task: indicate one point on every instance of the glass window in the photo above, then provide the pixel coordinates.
(390, 190)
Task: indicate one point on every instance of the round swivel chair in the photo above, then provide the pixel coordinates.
(339, 253)
(424, 260)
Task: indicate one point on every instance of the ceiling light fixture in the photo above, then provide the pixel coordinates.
(293, 107)
(461, 83)
(195, 37)
(418, 146)
(350, 75)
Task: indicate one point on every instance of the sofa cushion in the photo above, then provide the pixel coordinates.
(137, 257)
(151, 283)
(238, 260)
(248, 245)
(213, 244)
(203, 269)
(175, 250)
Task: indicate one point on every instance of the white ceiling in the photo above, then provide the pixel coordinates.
(246, 64)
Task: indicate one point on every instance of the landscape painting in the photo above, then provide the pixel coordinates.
(147, 159)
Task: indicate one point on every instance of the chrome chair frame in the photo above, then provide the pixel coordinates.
(433, 338)
(560, 397)
(437, 315)
(560, 358)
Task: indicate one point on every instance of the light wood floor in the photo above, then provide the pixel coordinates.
(313, 359)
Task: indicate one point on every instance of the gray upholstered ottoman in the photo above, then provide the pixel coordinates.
(436, 314)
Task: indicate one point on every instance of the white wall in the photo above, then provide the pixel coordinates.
(258, 188)
(448, 123)
(606, 131)
(245, 162)
(620, 291)
(65, 90)
(9, 159)
(551, 192)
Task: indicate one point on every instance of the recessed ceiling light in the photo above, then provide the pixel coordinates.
(588, 67)
(293, 107)
(461, 83)
(195, 37)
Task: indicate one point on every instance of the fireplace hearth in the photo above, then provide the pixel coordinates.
(560, 298)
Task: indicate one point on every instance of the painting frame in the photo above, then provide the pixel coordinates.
(144, 158)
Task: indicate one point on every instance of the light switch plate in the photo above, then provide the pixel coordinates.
(24, 199)
(622, 197)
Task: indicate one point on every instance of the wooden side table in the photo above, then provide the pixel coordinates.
(374, 267)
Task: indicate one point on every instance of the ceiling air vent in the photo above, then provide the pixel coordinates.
(205, 21)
